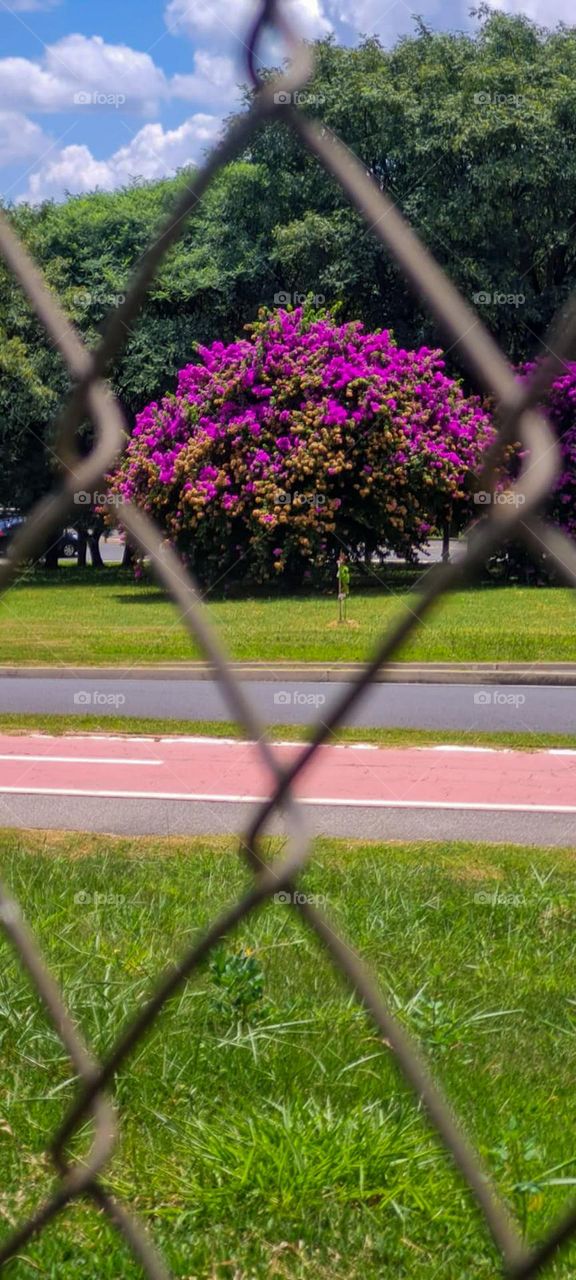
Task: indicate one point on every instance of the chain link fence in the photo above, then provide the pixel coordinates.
(518, 420)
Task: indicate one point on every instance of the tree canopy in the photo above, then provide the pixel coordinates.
(307, 437)
(472, 134)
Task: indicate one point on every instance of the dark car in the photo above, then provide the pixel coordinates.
(67, 542)
(9, 523)
(68, 545)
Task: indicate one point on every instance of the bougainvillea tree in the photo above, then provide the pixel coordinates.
(560, 405)
(304, 437)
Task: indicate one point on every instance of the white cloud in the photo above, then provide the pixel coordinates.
(153, 153)
(219, 17)
(20, 139)
(84, 73)
(395, 17)
(215, 79)
(371, 17)
(82, 64)
(73, 170)
(29, 6)
(547, 12)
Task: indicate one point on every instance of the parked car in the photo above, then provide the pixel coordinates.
(68, 545)
(9, 523)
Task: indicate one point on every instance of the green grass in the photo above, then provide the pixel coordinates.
(284, 1144)
(85, 619)
(70, 724)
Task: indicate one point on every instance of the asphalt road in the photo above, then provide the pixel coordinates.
(211, 786)
(112, 551)
(491, 708)
(166, 818)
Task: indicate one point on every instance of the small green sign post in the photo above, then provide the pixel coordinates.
(343, 576)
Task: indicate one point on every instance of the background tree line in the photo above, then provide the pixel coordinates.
(473, 135)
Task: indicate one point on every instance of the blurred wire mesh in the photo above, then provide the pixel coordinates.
(519, 420)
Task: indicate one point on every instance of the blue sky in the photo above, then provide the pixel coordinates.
(94, 94)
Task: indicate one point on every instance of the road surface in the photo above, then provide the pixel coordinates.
(112, 551)
(210, 786)
(479, 708)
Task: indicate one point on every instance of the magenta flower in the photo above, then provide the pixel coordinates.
(317, 432)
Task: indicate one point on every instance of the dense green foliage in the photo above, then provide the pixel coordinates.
(471, 133)
(87, 247)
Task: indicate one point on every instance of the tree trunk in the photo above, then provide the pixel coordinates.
(94, 545)
(369, 549)
(82, 548)
(446, 541)
(51, 558)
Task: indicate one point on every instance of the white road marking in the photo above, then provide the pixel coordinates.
(330, 801)
(81, 759)
(294, 742)
(462, 747)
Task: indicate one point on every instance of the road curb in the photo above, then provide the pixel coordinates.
(552, 674)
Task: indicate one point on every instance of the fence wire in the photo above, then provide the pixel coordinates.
(519, 419)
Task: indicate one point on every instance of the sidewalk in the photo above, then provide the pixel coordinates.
(523, 673)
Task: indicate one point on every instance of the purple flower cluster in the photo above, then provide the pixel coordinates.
(280, 446)
(560, 405)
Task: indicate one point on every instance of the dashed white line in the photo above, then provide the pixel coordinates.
(46, 759)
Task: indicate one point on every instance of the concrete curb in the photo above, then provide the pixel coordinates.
(543, 673)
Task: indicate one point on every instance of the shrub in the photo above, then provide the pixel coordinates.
(560, 405)
(304, 437)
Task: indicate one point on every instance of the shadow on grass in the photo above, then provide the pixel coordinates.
(73, 577)
(153, 596)
(398, 579)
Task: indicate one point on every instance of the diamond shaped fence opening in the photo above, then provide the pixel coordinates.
(519, 419)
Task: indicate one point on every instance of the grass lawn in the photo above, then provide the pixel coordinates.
(283, 1144)
(70, 724)
(81, 618)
